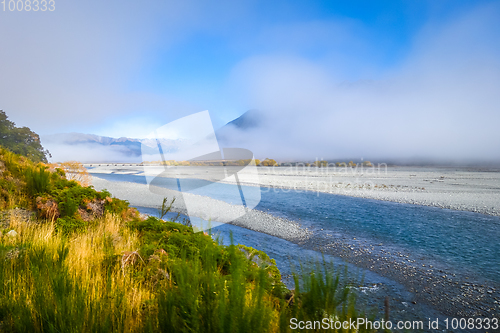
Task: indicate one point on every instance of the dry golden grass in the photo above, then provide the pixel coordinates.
(37, 234)
(86, 254)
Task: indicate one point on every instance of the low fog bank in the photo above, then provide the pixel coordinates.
(90, 153)
(89, 148)
(287, 145)
(440, 106)
(95, 153)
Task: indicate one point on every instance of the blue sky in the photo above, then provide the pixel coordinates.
(377, 37)
(122, 68)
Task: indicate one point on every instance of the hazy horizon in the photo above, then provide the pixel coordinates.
(97, 153)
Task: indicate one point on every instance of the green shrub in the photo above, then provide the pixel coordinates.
(205, 299)
(76, 192)
(173, 237)
(115, 206)
(68, 207)
(21, 182)
(37, 180)
(69, 225)
(72, 196)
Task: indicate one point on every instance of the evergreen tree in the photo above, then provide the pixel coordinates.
(21, 140)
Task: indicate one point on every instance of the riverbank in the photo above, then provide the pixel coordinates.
(458, 188)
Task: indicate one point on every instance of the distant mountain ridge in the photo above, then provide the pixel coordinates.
(132, 147)
(91, 147)
(75, 138)
(230, 133)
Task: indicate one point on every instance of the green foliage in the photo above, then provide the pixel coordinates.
(37, 180)
(22, 182)
(21, 141)
(116, 206)
(172, 237)
(14, 163)
(319, 287)
(204, 300)
(52, 279)
(58, 303)
(68, 206)
(12, 179)
(178, 241)
(69, 225)
(73, 195)
(210, 287)
(261, 259)
(321, 291)
(165, 207)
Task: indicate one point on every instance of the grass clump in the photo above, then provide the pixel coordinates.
(68, 225)
(37, 180)
(60, 284)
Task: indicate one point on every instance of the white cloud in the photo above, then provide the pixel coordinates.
(441, 103)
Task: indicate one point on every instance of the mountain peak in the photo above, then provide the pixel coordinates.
(250, 119)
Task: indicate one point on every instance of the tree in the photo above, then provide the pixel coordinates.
(21, 140)
(268, 162)
(74, 171)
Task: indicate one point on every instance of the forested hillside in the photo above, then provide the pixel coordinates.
(21, 140)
